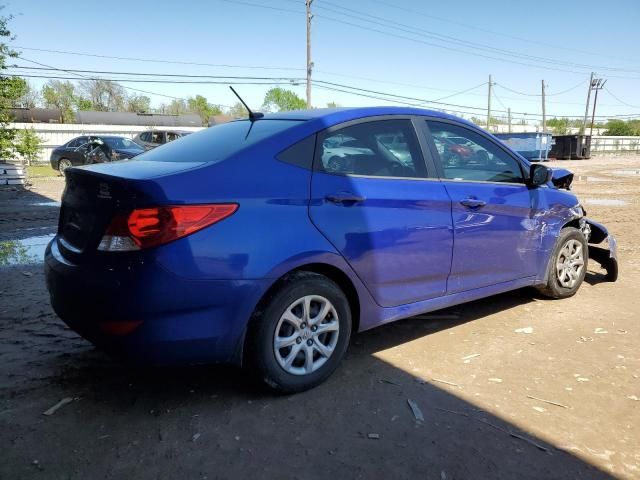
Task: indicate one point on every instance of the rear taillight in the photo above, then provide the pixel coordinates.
(150, 227)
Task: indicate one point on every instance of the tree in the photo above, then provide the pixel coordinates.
(28, 145)
(29, 99)
(200, 106)
(559, 126)
(61, 95)
(333, 105)
(11, 89)
(622, 128)
(105, 95)
(138, 104)
(282, 100)
(177, 107)
(238, 111)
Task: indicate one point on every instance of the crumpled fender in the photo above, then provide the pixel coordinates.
(597, 233)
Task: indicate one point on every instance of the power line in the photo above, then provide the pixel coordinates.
(538, 94)
(469, 44)
(147, 74)
(514, 37)
(621, 101)
(155, 60)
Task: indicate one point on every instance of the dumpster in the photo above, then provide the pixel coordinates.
(534, 146)
(575, 147)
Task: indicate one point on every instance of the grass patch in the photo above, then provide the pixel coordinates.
(38, 171)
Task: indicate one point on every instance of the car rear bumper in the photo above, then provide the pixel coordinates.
(142, 312)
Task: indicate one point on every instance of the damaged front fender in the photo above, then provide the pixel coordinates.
(597, 233)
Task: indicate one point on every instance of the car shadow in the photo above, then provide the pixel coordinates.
(358, 424)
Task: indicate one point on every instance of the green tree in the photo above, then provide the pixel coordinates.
(238, 111)
(28, 145)
(177, 107)
(11, 89)
(559, 126)
(61, 95)
(29, 99)
(105, 95)
(622, 128)
(200, 106)
(138, 104)
(281, 100)
(333, 105)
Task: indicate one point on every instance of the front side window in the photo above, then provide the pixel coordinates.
(171, 136)
(468, 156)
(145, 136)
(382, 148)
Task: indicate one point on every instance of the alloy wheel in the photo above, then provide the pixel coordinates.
(570, 263)
(306, 335)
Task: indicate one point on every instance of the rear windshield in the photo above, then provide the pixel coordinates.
(217, 143)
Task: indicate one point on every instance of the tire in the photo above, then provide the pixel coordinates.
(561, 283)
(63, 164)
(281, 318)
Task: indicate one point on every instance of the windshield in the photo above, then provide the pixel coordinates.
(217, 143)
(119, 143)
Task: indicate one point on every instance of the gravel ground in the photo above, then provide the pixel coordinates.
(559, 402)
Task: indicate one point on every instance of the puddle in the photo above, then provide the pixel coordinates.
(626, 173)
(46, 204)
(23, 252)
(588, 178)
(606, 202)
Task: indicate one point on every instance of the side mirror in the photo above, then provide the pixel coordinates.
(539, 175)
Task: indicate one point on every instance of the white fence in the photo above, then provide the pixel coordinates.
(615, 144)
(55, 134)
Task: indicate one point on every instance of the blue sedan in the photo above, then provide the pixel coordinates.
(268, 242)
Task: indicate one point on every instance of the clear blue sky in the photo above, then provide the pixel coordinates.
(604, 35)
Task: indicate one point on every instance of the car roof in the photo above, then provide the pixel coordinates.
(327, 117)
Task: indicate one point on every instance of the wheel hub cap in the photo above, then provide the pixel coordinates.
(306, 335)
(570, 263)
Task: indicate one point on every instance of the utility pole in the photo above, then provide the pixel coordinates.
(309, 62)
(586, 110)
(544, 110)
(509, 119)
(598, 85)
(489, 106)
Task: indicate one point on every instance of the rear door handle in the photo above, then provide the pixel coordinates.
(344, 198)
(473, 203)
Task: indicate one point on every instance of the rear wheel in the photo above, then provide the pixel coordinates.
(301, 334)
(63, 164)
(568, 264)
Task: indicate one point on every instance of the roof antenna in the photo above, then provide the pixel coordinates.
(252, 115)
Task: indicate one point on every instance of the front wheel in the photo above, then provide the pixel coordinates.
(568, 264)
(298, 338)
(63, 164)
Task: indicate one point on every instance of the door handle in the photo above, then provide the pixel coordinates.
(344, 198)
(473, 203)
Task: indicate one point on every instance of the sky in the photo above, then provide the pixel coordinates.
(426, 50)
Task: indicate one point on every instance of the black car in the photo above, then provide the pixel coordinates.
(154, 138)
(89, 149)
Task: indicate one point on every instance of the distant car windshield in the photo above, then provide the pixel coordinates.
(121, 143)
(214, 144)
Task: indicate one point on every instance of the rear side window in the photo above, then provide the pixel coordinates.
(157, 137)
(145, 136)
(214, 144)
(300, 154)
(382, 148)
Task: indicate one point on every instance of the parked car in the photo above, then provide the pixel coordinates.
(89, 149)
(154, 138)
(242, 244)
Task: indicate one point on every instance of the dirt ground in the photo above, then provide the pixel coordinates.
(559, 402)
